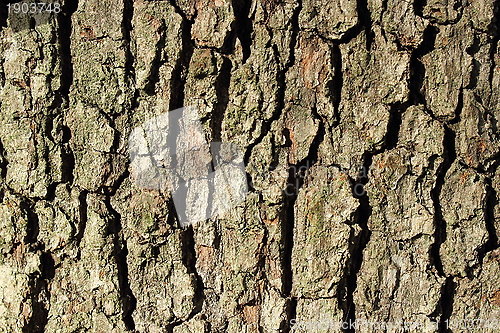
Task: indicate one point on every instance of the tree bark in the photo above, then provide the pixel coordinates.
(369, 133)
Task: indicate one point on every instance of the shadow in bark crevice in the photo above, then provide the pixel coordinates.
(491, 201)
(222, 91)
(417, 68)
(189, 260)
(449, 157)
(128, 300)
(243, 26)
(179, 73)
(296, 176)
(357, 243)
(335, 85)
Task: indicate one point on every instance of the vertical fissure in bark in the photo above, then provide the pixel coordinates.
(384, 7)
(47, 269)
(448, 290)
(129, 302)
(335, 85)
(51, 188)
(37, 281)
(296, 176)
(287, 233)
(128, 15)
(82, 219)
(157, 62)
(32, 227)
(243, 26)
(291, 313)
(189, 260)
(418, 7)
(39, 316)
(67, 156)
(357, 243)
(177, 86)
(288, 218)
(446, 304)
(128, 299)
(393, 126)
(130, 75)
(64, 34)
(178, 80)
(457, 115)
(4, 14)
(491, 202)
(62, 95)
(39, 294)
(417, 69)
(3, 162)
(476, 65)
(2, 72)
(494, 30)
(364, 23)
(449, 156)
(222, 84)
(222, 91)
(365, 19)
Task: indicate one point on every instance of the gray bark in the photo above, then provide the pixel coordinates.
(369, 132)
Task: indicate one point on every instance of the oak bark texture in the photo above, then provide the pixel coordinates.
(401, 99)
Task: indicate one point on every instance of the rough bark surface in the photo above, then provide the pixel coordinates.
(370, 136)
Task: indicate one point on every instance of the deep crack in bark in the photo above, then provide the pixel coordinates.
(357, 243)
(417, 69)
(128, 299)
(82, 220)
(335, 85)
(62, 95)
(189, 260)
(449, 157)
(37, 283)
(446, 304)
(448, 290)
(491, 202)
(178, 80)
(222, 84)
(242, 26)
(288, 207)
